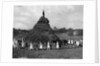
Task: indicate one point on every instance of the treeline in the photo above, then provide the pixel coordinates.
(16, 32)
(70, 31)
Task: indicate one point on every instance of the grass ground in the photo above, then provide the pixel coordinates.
(73, 53)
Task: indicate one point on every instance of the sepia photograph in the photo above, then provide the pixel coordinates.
(48, 32)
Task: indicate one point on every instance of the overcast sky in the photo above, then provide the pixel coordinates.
(68, 16)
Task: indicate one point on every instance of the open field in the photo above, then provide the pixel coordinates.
(73, 53)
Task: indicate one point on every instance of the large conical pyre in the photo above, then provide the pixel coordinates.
(41, 32)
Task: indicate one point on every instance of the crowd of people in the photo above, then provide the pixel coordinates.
(56, 44)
